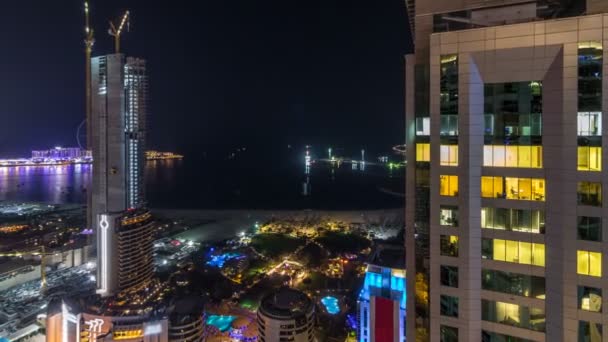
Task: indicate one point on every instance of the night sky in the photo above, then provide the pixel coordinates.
(222, 73)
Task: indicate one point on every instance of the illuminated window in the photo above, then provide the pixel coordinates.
(448, 216)
(492, 187)
(513, 314)
(423, 126)
(448, 185)
(423, 152)
(590, 299)
(589, 193)
(530, 189)
(589, 158)
(518, 252)
(449, 155)
(499, 156)
(538, 254)
(521, 156)
(449, 245)
(589, 263)
(517, 220)
(589, 124)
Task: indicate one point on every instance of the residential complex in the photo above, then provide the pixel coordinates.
(504, 199)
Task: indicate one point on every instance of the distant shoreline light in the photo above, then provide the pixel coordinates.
(72, 155)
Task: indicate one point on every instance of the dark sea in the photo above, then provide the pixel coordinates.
(238, 179)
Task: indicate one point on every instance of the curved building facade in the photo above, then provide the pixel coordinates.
(187, 322)
(188, 328)
(286, 315)
(135, 242)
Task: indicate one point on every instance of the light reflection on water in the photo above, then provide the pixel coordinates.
(233, 184)
(48, 183)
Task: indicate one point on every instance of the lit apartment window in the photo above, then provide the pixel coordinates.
(492, 187)
(589, 193)
(589, 331)
(449, 276)
(449, 306)
(449, 155)
(589, 124)
(590, 298)
(589, 263)
(518, 252)
(448, 215)
(520, 156)
(589, 158)
(449, 245)
(517, 220)
(589, 228)
(448, 185)
(513, 314)
(423, 152)
(423, 126)
(530, 189)
(448, 334)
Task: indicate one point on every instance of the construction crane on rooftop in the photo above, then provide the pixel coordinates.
(116, 32)
(89, 41)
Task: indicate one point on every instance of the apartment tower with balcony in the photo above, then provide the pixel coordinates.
(505, 174)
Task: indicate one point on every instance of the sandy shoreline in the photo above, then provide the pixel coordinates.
(223, 224)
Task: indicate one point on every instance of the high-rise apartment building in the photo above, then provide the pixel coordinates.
(123, 227)
(505, 174)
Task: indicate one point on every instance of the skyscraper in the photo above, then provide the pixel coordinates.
(504, 206)
(122, 224)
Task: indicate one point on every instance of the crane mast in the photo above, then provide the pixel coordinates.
(117, 31)
(89, 41)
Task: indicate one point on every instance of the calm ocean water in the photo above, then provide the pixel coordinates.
(242, 181)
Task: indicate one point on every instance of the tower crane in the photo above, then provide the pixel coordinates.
(116, 32)
(89, 41)
(36, 252)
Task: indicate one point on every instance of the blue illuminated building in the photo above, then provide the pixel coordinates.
(381, 310)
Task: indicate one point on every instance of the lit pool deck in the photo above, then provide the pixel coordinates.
(331, 305)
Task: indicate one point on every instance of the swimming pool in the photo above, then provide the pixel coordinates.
(219, 260)
(331, 304)
(220, 322)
